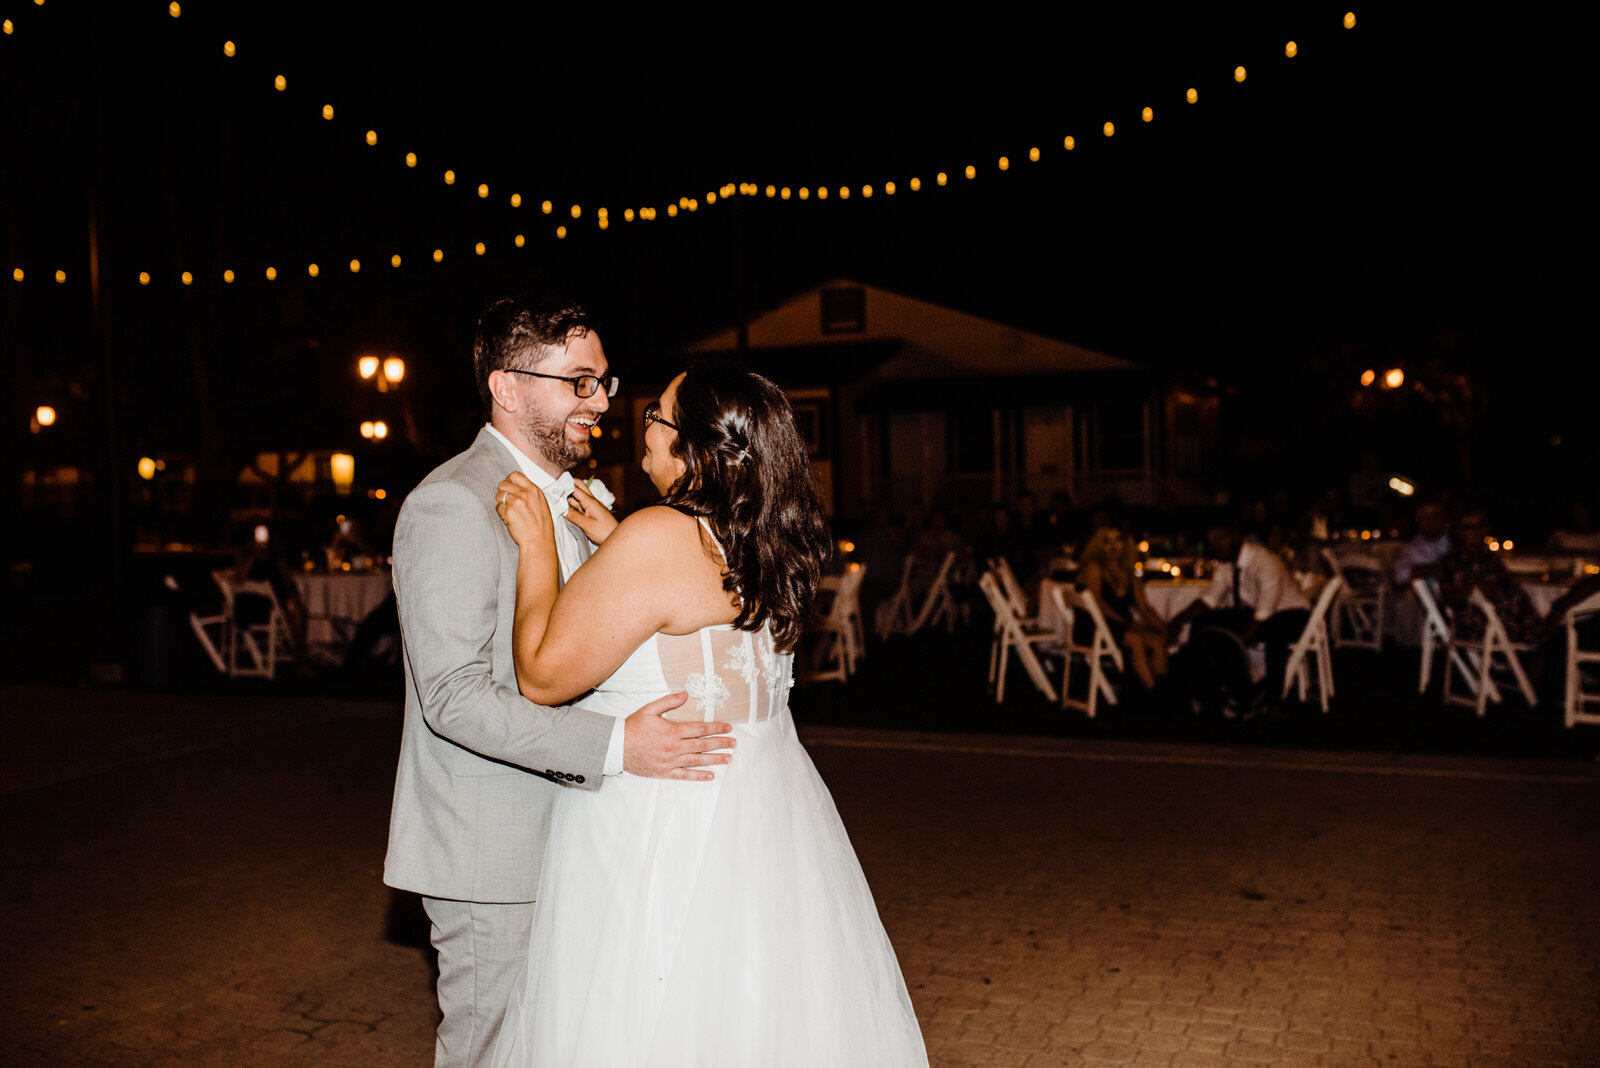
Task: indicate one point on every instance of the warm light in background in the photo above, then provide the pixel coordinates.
(1368, 377)
(805, 194)
(185, 277)
(380, 430)
(327, 111)
(147, 468)
(272, 274)
(438, 255)
(519, 240)
(941, 178)
(1033, 155)
(547, 207)
(174, 9)
(1005, 163)
(866, 191)
(355, 266)
(483, 192)
(144, 278)
(1192, 95)
(1401, 486)
(1349, 20)
(372, 137)
(280, 83)
(1069, 143)
(888, 189)
(822, 192)
(844, 192)
(516, 200)
(1394, 378)
(1147, 114)
(916, 185)
(366, 429)
(16, 274)
(61, 276)
(45, 415)
(313, 270)
(411, 159)
(449, 177)
(227, 276)
(7, 27)
(627, 215)
(479, 248)
(577, 211)
(368, 366)
(228, 49)
(783, 194)
(394, 369)
(1109, 129)
(343, 468)
(561, 232)
(1238, 74)
(1291, 49)
(262, 534)
(394, 261)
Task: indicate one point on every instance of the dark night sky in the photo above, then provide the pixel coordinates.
(1404, 192)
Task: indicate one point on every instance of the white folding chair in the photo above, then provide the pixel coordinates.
(1011, 635)
(1102, 646)
(1313, 642)
(1359, 612)
(836, 631)
(1009, 584)
(1481, 656)
(1437, 633)
(937, 602)
(259, 638)
(1579, 698)
(213, 631)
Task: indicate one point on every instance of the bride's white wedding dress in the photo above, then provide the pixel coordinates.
(701, 924)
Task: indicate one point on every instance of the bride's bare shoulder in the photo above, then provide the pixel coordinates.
(656, 530)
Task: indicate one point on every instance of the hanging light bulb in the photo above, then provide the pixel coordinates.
(280, 83)
(1291, 49)
(186, 278)
(313, 270)
(144, 278)
(888, 189)
(327, 111)
(478, 248)
(61, 276)
(227, 276)
(1349, 20)
(1109, 129)
(1147, 114)
(1069, 143)
(916, 185)
(372, 137)
(438, 255)
(449, 177)
(1005, 163)
(272, 274)
(1238, 74)
(228, 49)
(483, 192)
(561, 232)
(355, 266)
(394, 261)
(1192, 95)
(411, 159)
(1033, 155)
(519, 240)
(516, 200)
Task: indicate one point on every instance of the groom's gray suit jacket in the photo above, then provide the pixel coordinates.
(469, 821)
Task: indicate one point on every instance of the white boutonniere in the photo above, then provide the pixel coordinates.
(600, 492)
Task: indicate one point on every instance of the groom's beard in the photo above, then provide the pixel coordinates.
(548, 434)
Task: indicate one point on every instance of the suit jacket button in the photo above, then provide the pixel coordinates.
(568, 775)
(578, 779)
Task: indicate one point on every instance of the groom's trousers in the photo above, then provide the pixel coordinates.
(481, 949)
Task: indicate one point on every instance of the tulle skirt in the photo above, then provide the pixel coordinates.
(702, 924)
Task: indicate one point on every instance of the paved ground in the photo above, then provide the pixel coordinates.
(194, 879)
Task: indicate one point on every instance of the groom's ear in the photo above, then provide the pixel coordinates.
(502, 392)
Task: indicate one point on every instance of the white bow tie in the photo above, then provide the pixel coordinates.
(557, 493)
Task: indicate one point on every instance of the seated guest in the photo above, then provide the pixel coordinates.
(1431, 543)
(1105, 569)
(1252, 594)
(1469, 566)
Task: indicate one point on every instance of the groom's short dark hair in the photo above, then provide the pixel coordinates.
(520, 331)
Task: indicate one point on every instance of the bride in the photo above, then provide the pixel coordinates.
(722, 922)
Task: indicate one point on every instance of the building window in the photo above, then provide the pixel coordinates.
(844, 310)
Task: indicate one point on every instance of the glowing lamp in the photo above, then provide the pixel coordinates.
(1192, 95)
(45, 415)
(228, 49)
(516, 200)
(1147, 114)
(185, 277)
(372, 137)
(449, 177)
(366, 429)
(394, 369)
(1291, 49)
(519, 240)
(627, 215)
(61, 276)
(343, 468)
(783, 194)
(438, 255)
(888, 189)
(916, 185)
(772, 190)
(1368, 377)
(147, 468)
(272, 274)
(327, 111)
(16, 274)
(280, 83)
(866, 191)
(1069, 143)
(227, 276)
(394, 261)
(1394, 378)
(1508, 545)
(380, 429)
(368, 366)
(805, 194)
(1238, 74)
(144, 278)
(355, 266)
(8, 27)
(313, 270)
(672, 210)
(175, 9)
(971, 172)
(941, 178)
(1033, 155)
(411, 159)
(1401, 486)
(561, 232)
(478, 248)
(262, 534)
(844, 192)
(1005, 163)
(822, 192)
(1349, 20)
(1109, 129)
(547, 207)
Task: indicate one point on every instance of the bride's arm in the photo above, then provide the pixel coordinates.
(626, 592)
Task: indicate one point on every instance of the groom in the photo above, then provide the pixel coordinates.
(479, 765)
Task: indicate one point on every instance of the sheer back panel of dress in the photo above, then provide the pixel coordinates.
(737, 676)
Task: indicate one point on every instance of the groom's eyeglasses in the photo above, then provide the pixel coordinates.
(652, 414)
(582, 385)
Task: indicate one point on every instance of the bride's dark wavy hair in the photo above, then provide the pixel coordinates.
(747, 471)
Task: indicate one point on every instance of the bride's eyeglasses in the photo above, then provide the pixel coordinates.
(652, 414)
(582, 385)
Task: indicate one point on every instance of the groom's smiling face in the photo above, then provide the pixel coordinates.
(553, 418)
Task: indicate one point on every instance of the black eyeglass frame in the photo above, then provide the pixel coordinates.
(652, 414)
(612, 382)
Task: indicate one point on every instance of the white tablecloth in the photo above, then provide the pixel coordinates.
(336, 601)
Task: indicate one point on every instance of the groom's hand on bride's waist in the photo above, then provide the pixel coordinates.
(660, 748)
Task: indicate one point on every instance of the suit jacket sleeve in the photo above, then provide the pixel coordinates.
(447, 586)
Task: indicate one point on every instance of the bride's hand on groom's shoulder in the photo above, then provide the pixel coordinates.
(589, 515)
(522, 506)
